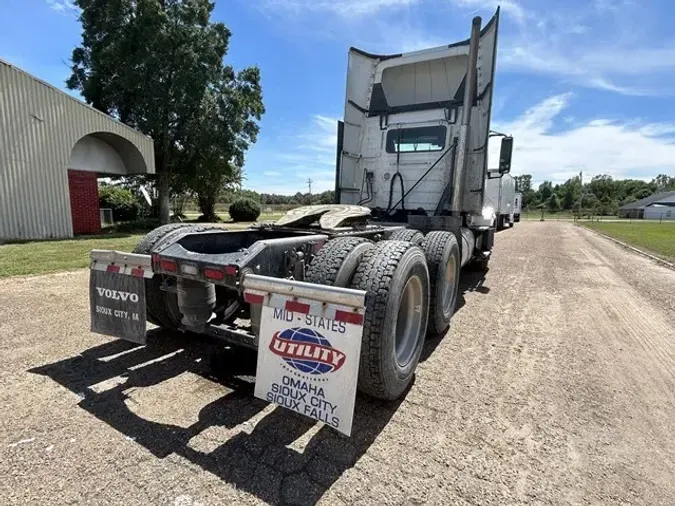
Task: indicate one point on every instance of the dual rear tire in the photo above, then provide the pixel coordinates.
(411, 289)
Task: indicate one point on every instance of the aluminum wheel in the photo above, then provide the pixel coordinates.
(409, 321)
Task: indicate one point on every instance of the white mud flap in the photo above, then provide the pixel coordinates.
(309, 347)
(117, 294)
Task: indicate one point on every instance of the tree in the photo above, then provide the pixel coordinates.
(553, 203)
(218, 136)
(545, 190)
(150, 63)
(664, 183)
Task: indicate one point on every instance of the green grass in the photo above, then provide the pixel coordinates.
(657, 238)
(52, 256)
(42, 257)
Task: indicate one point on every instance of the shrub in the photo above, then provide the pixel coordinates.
(122, 201)
(244, 210)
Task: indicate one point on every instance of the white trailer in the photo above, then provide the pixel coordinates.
(500, 197)
(518, 207)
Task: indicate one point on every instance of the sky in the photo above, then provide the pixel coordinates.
(582, 85)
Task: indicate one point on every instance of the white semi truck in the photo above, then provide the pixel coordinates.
(500, 195)
(518, 207)
(339, 296)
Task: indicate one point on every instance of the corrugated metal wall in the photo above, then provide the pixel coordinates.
(39, 125)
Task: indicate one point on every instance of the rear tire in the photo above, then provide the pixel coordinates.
(336, 262)
(408, 234)
(443, 260)
(395, 277)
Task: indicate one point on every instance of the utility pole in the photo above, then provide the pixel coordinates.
(309, 183)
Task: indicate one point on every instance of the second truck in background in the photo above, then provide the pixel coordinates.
(500, 194)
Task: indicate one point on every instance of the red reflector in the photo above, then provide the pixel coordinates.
(253, 298)
(231, 270)
(297, 307)
(168, 265)
(137, 272)
(112, 268)
(348, 317)
(216, 274)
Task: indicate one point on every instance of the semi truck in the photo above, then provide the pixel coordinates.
(517, 207)
(338, 298)
(500, 195)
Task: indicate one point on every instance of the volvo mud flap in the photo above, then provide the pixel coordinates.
(117, 294)
(309, 347)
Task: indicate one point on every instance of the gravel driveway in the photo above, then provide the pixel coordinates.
(555, 385)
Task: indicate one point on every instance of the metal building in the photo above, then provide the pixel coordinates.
(52, 149)
(660, 206)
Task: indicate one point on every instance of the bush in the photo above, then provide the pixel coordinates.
(122, 201)
(244, 210)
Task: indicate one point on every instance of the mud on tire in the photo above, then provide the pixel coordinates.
(337, 261)
(443, 260)
(396, 280)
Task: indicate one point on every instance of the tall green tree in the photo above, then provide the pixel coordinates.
(546, 190)
(213, 150)
(150, 63)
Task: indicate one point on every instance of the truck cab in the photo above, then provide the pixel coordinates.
(413, 141)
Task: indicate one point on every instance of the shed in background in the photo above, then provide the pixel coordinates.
(53, 148)
(654, 207)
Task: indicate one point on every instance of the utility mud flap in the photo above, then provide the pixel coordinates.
(309, 347)
(117, 294)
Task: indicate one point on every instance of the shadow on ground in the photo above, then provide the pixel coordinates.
(469, 281)
(256, 460)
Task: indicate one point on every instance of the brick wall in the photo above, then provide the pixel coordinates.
(84, 202)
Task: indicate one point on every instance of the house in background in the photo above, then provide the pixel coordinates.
(660, 206)
(53, 148)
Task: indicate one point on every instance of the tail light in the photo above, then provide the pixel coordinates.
(213, 273)
(168, 265)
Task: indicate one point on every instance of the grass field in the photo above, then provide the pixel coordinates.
(51, 256)
(41, 257)
(657, 238)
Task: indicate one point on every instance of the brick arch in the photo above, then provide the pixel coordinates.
(94, 155)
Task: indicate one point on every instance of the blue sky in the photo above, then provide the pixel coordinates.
(582, 85)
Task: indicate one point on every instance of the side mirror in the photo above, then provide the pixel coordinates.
(505, 152)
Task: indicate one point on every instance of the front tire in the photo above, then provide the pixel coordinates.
(395, 277)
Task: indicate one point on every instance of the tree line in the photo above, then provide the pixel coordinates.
(601, 195)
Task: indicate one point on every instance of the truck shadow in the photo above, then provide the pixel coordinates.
(469, 281)
(257, 458)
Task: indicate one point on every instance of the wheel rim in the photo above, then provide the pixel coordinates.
(409, 322)
(448, 295)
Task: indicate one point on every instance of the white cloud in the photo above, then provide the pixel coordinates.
(600, 146)
(62, 5)
(308, 155)
(346, 8)
(509, 7)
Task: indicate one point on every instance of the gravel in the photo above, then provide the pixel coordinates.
(554, 385)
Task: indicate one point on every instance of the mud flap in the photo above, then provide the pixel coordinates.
(117, 299)
(309, 347)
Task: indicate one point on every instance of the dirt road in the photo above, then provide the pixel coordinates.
(555, 385)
